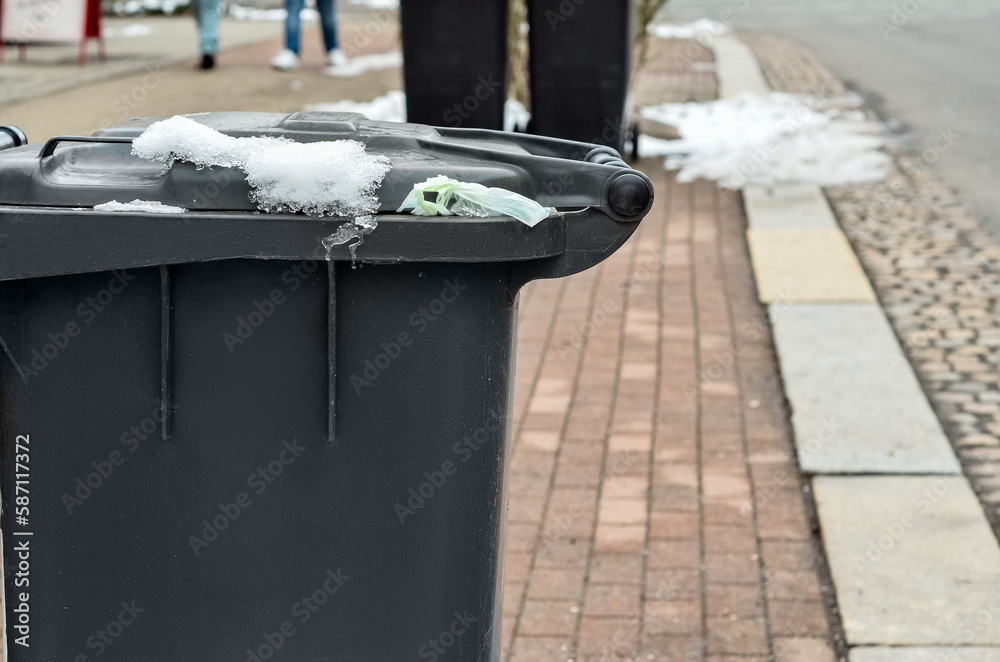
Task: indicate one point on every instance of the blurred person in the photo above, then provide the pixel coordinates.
(206, 15)
(288, 59)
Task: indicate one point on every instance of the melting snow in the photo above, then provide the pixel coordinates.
(133, 30)
(703, 28)
(515, 115)
(241, 13)
(764, 140)
(377, 4)
(392, 108)
(388, 108)
(336, 178)
(362, 63)
(358, 229)
(149, 207)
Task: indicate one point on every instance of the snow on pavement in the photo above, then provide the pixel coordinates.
(361, 63)
(701, 29)
(388, 108)
(392, 108)
(764, 140)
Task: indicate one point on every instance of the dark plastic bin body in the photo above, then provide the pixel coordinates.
(581, 59)
(240, 447)
(455, 62)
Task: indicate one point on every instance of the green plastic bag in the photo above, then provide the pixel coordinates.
(443, 196)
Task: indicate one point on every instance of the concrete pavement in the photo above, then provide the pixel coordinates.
(243, 80)
(133, 45)
(141, 46)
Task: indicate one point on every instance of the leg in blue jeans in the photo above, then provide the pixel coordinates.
(293, 25)
(206, 14)
(328, 21)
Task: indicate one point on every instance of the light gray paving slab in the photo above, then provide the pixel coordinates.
(913, 560)
(787, 206)
(856, 405)
(736, 68)
(937, 654)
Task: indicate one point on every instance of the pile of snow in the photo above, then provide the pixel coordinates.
(133, 7)
(241, 13)
(134, 30)
(763, 140)
(362, 63)
(515, 115)
(388, 108)
(336, 178)
(145, 206)
(701, 29)
(377, 4)
(392, 108)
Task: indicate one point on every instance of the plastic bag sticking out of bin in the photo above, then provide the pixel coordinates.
(257, 450)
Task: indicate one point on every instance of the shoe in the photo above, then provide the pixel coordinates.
(286, 60)
(207, 61)
(336, 58)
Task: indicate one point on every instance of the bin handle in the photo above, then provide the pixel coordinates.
(50, 145)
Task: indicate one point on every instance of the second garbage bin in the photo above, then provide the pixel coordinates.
(455, 62)
(226, 439)
(581, 60)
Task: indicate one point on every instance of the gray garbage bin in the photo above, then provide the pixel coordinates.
(455, 62)
(581, 64)
(223, 439)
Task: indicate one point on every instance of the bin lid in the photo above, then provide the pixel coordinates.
(70, 171)
(48, 193)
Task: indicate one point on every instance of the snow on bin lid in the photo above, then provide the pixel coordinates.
(324, 178)
(87, 171)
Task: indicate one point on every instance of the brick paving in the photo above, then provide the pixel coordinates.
(656, 511)
(935, 269)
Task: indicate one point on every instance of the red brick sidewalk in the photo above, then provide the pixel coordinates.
(656, 511)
